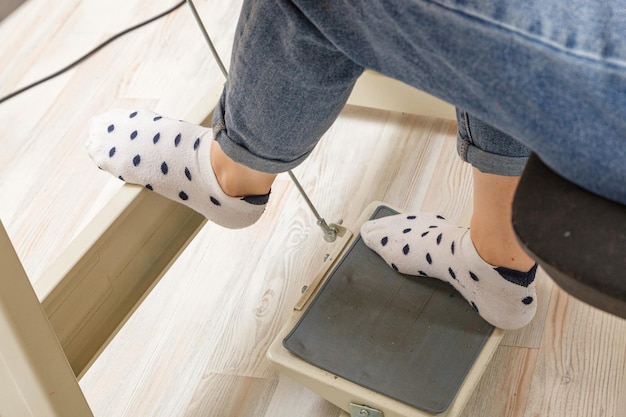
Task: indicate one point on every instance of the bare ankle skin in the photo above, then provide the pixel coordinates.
(490, 228)
(238, 180)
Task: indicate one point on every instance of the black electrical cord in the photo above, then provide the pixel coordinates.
(92, 52)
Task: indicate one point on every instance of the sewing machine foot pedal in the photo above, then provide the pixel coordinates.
(401, 346)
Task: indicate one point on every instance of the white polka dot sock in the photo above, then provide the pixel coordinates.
(169, 157)
(429, 246)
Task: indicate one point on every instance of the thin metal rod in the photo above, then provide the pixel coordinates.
(207, 38)
(329, 233)
(306, 197)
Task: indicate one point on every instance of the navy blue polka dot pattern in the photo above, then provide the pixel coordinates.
(409, 247)
(133, 145)
(451, 272)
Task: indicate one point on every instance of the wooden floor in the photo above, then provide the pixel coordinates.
(196, 347)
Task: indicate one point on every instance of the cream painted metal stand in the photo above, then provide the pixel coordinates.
(49, 336)
(35, 377)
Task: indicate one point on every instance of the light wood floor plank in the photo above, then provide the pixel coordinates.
(44, 168)
(581, 366)
(232, 396)
(505, 386)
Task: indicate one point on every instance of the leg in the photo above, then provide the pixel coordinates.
(498, 161)
(295, 62)
(287, 84)
(35, 375)
(484, 263)
(491, 229)
(552, 79)
(238, 180)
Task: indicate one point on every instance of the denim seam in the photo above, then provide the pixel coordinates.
(620, 64)
(465, 143)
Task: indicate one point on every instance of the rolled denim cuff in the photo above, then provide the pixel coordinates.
(488, 149)
(241, 154)
(490, 163)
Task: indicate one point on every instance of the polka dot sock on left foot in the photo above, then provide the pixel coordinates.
(427, 245)
(171, 158)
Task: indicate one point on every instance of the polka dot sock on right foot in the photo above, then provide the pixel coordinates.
(169, 157)
(427, 245)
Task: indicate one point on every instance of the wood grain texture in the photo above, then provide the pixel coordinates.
(196, 346)
(504, 388)
(582, 368)
(44, 169)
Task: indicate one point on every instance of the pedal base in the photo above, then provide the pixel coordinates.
(402, 345)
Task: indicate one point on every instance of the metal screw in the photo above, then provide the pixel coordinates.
(364, 413)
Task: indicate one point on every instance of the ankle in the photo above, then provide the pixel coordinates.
(237, 180)
(505, 252)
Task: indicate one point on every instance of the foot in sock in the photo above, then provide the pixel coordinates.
(169, 157)
(429, 246)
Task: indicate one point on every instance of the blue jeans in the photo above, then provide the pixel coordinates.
(541, 75)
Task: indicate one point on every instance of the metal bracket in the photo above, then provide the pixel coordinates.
(357, 410)
(330, 231)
